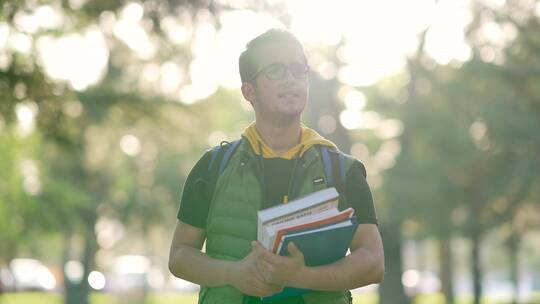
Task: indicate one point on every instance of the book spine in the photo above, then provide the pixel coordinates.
(259, 230)
(263, 237)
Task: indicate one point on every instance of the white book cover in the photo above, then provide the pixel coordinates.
(308, 205)
(269, 231)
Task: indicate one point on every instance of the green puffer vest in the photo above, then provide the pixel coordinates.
(232, 218)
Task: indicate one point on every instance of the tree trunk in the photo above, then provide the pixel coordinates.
(513, 248)
(78, 292)
(71, 290)
(446, 267)
(477, 271)
(88, 264)
(391, 289)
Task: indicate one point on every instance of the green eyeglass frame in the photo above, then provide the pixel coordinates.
(278, 70)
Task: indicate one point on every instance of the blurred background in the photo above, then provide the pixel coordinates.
(106, 105)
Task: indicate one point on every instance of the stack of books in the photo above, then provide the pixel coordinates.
(314, 224)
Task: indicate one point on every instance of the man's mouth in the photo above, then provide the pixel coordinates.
(289, 94)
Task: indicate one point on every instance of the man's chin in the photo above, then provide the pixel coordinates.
(292, 111)
(290, 115)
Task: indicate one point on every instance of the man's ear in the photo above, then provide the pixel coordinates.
(248, 91)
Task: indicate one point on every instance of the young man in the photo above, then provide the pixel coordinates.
(278, 159)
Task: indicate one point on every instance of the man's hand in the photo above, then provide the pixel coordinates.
(245, 276)
(277, 269)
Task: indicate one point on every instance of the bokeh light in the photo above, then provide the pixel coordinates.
(96, 280)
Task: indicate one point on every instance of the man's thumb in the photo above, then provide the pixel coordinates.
(293, 250)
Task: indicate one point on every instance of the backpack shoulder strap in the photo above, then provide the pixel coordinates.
(327, 164)
(334, 168)
(222, 154)
(227, 156)
(213, 155)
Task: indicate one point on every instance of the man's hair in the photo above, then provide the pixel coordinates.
(248, 59)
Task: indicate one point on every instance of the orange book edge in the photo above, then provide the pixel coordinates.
(345, 214)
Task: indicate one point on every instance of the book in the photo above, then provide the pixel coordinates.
(321, 245)
(320, 202)
(324, 244)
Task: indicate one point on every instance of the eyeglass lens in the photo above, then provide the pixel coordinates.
(277, 71)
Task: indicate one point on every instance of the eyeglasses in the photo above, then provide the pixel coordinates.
(278, 70)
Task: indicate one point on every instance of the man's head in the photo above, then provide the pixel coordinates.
(274, 74)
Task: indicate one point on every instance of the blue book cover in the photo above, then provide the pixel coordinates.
(320, 246)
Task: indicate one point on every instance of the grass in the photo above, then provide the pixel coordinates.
(30, 298)
(178, 298)
(96, 298)
(100, 298)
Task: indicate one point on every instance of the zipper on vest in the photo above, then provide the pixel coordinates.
(243, 163)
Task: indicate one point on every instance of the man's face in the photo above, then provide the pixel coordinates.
(285, 97)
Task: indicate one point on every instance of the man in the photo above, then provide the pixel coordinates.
(277, 160)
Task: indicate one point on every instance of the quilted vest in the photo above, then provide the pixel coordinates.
(232, 217)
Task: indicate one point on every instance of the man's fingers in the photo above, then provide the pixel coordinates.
(259, 273)
(263, 253)
(267, 261)
(264, 272)
(267, 273)
(254, 245)
(293, 250)
(264, 265)
(269, 257)
(259, 286)
(262, 289)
